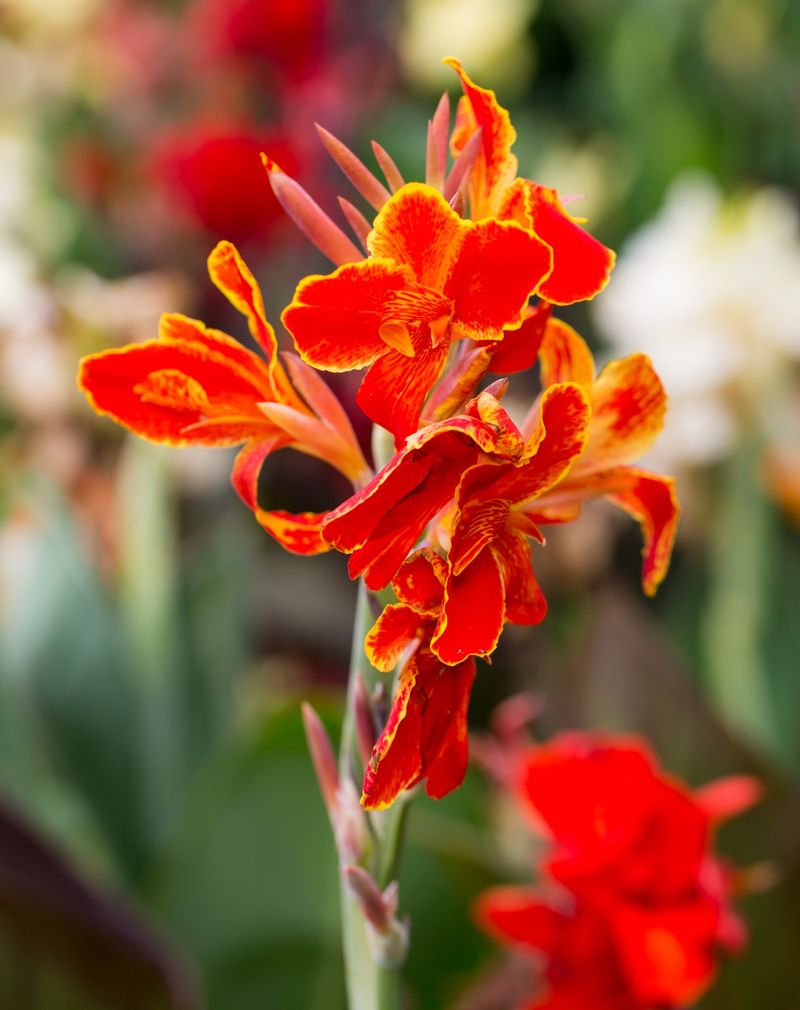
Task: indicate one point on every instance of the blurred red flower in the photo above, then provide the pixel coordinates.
(212, 174)
(634, 907)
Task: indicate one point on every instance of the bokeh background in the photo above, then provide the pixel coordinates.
(162, 843)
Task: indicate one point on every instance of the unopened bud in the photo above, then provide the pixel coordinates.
(349, 823)
(322, 757)
(388, 936)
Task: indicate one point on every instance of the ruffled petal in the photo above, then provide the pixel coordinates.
(557, 441)
(386, 640)
(419, 582)
(335, 321)
(299, 533)
(425, 735)
(628, 408)
(473, 613)
(564, 356)
(495, 166)
(247, 467)
(175, 328)
(616, 782)
(667, 953)
(652, 501)
(581, 264)
(478, 523)
(169, 391)
(232, 276)
(525, 601)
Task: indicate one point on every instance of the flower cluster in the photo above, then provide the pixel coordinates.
(633, 906)
(452, 281)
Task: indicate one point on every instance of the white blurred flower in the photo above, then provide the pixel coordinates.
(709, 290)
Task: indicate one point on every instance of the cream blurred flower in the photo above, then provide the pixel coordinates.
(491, 39)
(709, 290)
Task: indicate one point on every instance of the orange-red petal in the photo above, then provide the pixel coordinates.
(581, 263)
(232, 276)
(495, 166)
(418, 227)
(425, 735)
(180, 392)
(628, 408)
(479, 522)
(419, 582)
(651, 500)
(499, 266)
(564, 356)
(519, 348)
(335, 320)
(247, 467)
(396, 627)
(557, 441)
(394, 388)
(299, 533)
(525, 601)
(728, 797)
(473, 613)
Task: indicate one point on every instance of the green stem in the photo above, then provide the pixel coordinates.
(370, 984)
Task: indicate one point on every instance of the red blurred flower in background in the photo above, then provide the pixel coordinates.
(211, 172)
(633, 909)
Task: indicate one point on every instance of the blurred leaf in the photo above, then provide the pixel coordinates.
(737, 602)
(55, 926)
(65, 651)
(251, 883)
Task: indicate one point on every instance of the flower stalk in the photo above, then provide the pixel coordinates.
(374, 944)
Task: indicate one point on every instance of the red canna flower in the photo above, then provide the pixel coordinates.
(581, 264)
(634, 907)
(431, 278)
(196, 386)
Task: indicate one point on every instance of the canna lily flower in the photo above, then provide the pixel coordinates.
(642, 906)
(197, 386)
(425, 736)
(628, 406)
(431, 278)
(581, 264)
